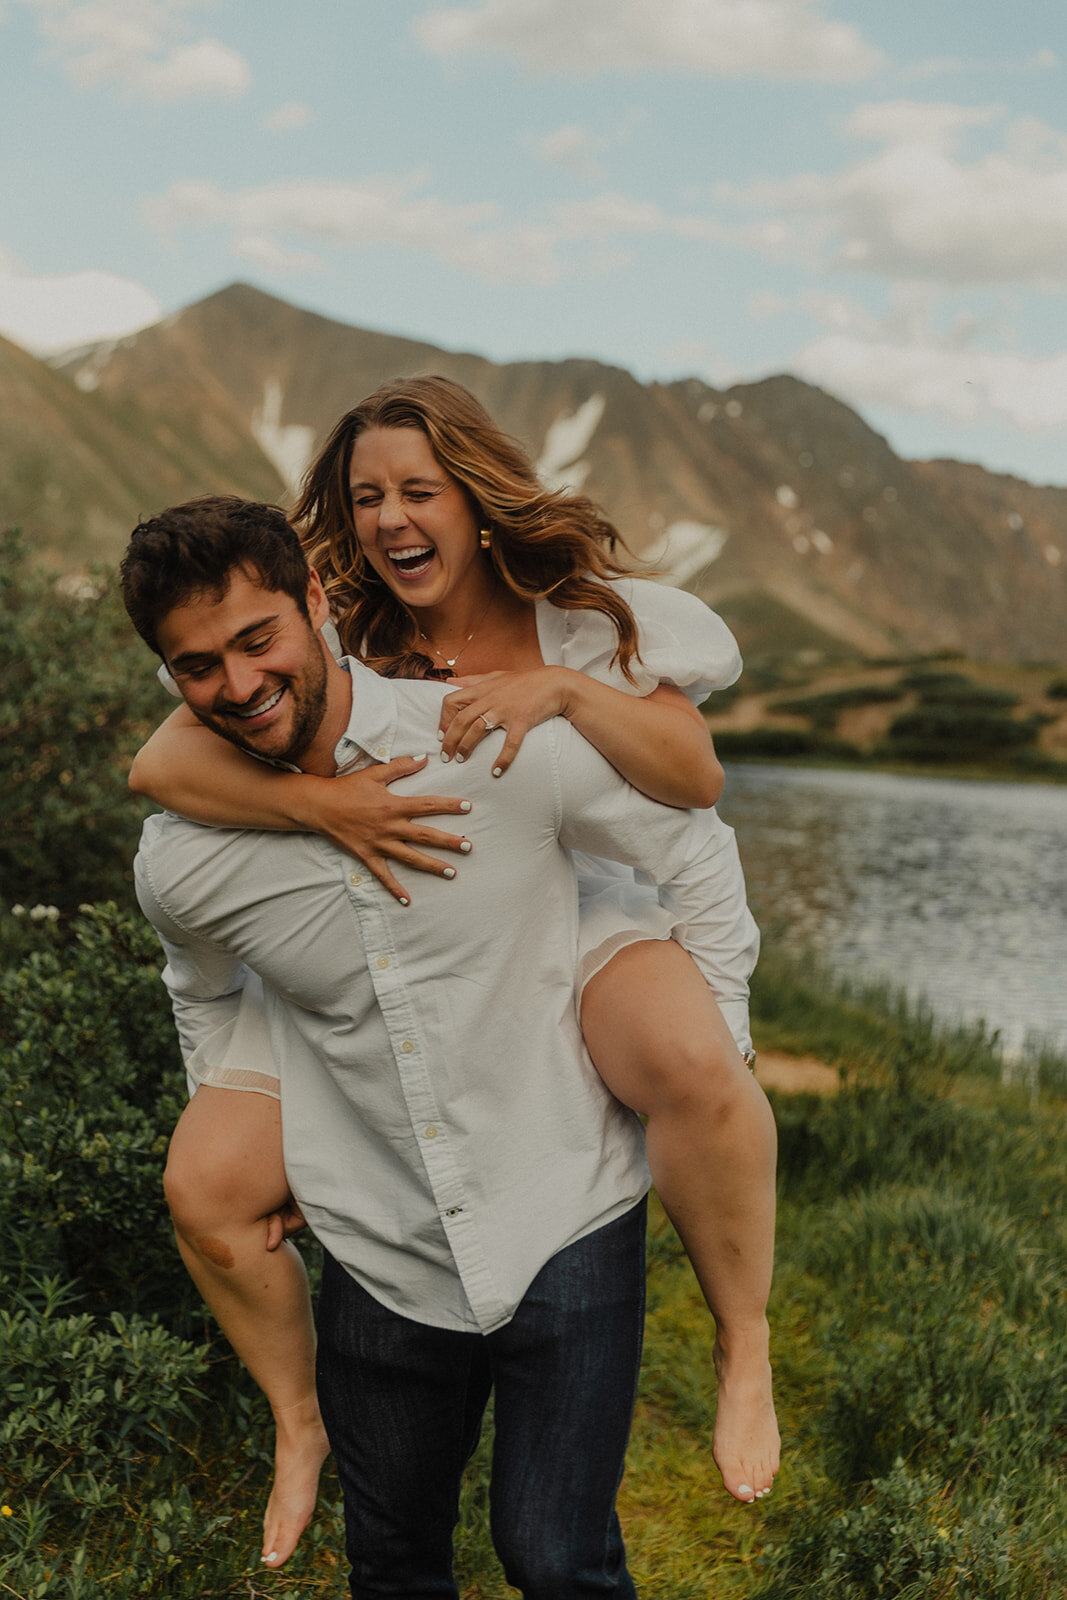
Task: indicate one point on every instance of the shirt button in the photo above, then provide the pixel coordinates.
(381, 752)
(431, 1132)
(407, 1047)
(383, 962)
(355, 878)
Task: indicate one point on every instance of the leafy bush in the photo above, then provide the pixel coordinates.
(78, 696)
(907, 1540)
(90, 1087)
(956, 688)
(776, 744)
(824, 709)
(1057, 689)
(954, 732)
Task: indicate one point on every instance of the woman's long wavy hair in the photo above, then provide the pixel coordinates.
(543, 545)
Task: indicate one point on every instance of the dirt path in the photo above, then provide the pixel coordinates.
(795, 1074)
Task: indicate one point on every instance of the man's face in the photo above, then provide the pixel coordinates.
(250, 665)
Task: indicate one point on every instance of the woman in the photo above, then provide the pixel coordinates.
(444, 557)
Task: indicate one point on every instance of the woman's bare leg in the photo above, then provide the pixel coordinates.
(659, 1042)
(224, 1176)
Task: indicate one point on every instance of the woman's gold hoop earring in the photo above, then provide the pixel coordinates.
(485, 538)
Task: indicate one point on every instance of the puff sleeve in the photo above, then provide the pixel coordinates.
(681, 641)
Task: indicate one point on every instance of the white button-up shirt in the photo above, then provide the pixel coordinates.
(445, 1132)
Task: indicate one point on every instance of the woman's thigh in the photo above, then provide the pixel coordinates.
(654, 1028)
(226, 1151)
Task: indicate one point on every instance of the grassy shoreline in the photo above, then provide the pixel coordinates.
(733, 755)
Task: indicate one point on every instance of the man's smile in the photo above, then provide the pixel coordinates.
(258, 710)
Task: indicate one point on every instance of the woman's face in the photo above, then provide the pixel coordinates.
(414, 522)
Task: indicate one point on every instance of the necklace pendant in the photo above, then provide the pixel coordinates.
(451, 661)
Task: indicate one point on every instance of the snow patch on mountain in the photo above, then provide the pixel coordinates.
(560, 466)
(287, 446)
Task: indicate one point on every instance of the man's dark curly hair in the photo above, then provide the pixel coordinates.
(195, 548)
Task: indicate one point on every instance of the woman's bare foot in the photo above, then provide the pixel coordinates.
(746, 1442)
(300, 1448)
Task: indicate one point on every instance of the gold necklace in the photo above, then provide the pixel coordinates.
(450, 661)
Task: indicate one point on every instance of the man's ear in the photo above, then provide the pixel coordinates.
(318, 605)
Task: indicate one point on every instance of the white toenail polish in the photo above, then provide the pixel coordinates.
(744, 1488)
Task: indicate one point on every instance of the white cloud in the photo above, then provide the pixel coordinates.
(713, 38)
(932, 124)
(690, 357)
(270, 256)
(288, 117)
(1042, 60)
(576, 150)
(141, 45)
(905, 362)
(272, 224)
(917, 210)
(765, 304)
(46, 314)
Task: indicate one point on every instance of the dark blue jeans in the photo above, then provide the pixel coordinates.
(403, 1407)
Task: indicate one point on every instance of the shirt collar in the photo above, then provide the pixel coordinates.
(372, 722)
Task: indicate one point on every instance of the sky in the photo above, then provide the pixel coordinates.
(872, 196)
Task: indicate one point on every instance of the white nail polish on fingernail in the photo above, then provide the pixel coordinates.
(466, 847)
(461, 758)
(440, 733)
(498, 772)
(418, 758)
(449, 872)
(405, 902)
(464, 805)
(445, 757)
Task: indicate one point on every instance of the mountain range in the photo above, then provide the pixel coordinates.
(772, 500)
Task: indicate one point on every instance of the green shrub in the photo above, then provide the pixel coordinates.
(88, 1400)
(78, 695)
(907, 1540)
(1057, 689)
(953, 732)
(90, 1087)
(824, 709)
(777, 744)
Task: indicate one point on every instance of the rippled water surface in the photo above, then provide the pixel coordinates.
(956, 891)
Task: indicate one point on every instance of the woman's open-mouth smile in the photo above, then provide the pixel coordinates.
(412, 561)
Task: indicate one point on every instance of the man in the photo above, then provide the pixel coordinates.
(478, 1192)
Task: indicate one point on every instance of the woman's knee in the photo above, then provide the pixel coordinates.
(691, 1072)
(225, 1162)
(197, 1193)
